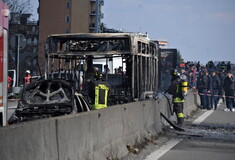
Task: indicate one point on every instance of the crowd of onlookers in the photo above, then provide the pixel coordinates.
(212, 83)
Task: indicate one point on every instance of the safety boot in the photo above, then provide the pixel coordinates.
(180, 121)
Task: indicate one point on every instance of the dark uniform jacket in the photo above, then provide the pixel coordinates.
(102, 100)
(175, 90)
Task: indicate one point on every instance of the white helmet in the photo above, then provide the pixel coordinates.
(27, 71)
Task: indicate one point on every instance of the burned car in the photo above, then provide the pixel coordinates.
(48, 98)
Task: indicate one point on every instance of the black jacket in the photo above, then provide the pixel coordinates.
(174, 89)
(203, 82)
(228, 83)
(215, 82)
(221, 78)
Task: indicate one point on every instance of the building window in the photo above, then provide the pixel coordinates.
(68, 4)
(67, 31)
(67, 19)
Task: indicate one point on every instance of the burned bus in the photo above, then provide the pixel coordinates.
(169, 59)
(129, 62)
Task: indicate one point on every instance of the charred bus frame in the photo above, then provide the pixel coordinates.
(169, 59)
(77, 53)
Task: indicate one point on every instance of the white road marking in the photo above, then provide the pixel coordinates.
(205, 115)
(163, 149)
(170, 144)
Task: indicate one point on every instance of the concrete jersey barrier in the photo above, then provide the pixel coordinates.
(90, 135)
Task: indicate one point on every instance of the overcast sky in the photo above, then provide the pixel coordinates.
(34, 9)
(202, 30)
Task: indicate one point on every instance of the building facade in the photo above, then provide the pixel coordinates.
(67, 16)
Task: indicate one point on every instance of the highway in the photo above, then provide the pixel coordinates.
(208, 135)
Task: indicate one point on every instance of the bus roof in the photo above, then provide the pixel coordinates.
(98, 35)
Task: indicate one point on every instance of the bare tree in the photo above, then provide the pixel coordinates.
(19, 6)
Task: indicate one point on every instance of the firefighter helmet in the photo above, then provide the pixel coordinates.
(98, 76)
(27, 71)
(175, 72)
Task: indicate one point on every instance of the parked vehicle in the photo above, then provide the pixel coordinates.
(4, 12)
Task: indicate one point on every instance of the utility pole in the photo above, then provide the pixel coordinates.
(20, 43)
(17, 39)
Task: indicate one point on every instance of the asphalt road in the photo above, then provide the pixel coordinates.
(195, 149)
(208, 135)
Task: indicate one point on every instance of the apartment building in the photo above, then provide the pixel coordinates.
(67, 16)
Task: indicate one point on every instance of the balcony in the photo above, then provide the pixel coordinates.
(92, 26)
(93, 13)
(102, 15)
(102, 2)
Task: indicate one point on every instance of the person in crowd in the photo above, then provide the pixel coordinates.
(202, 87)
(229, 92)
(210, 65)
(193, 76)
(208, 94)
(215, 86)
(221, 75)
(198, 66)
(98, 91)
(178, 95)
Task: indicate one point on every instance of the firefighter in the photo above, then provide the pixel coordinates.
(98, 91)
(9, 80)
(27, 78)
(178, 89)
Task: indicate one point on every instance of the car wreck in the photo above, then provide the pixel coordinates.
(48, 98)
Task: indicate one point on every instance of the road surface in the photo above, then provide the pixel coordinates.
(208, 135)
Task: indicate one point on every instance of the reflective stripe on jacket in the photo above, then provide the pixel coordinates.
(101, 96)
(177, 99)
(180, 115)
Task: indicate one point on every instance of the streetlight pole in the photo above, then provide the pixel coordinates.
(18, 59)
